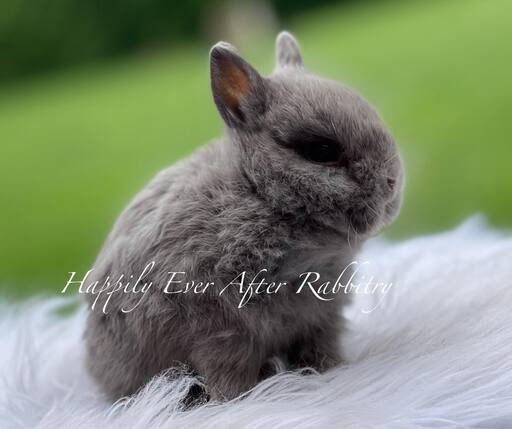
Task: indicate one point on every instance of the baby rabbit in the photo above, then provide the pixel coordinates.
(305, 172)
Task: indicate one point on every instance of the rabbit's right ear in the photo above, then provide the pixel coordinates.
(287, 51)
(238, 89)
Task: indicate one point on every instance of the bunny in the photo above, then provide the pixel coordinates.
(305, 173)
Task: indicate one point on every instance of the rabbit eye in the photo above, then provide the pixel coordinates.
(323, 151)
(313, 147)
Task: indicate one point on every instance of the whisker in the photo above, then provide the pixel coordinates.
(391, 158)
(372, 209)
(348, 235)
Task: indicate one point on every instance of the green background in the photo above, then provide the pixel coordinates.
(77, 144)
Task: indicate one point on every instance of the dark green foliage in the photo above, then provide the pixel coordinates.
(37, 35)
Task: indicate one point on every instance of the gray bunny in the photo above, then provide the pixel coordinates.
(305, 173)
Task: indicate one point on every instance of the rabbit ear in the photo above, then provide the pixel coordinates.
(238, 89)
(287, 51)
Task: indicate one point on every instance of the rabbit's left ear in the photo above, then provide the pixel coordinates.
(238, 89)
(287, 51)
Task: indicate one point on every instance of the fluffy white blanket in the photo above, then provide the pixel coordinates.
(435, 353)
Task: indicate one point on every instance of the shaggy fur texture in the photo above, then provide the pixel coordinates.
(305, 173)
(436, 353)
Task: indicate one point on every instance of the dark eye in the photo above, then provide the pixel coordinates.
(313, 147)
(319, 150)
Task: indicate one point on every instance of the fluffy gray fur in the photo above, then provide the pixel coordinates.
(248, 201)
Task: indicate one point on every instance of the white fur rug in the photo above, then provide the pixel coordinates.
(436, 353)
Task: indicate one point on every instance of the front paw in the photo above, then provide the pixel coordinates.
(312, 357)
(327, 362)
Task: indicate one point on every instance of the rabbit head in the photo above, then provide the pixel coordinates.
(312, 148)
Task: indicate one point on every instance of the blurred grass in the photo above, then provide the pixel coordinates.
(75, 147)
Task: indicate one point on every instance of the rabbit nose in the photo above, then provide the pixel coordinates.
(389, 186)
(391, 183)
